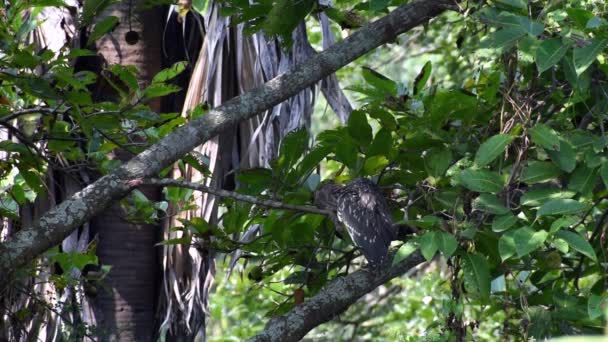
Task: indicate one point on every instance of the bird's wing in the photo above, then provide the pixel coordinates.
(364, 212)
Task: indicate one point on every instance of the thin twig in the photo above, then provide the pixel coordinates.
(234, 195)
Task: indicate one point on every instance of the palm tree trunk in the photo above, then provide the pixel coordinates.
(126, 312)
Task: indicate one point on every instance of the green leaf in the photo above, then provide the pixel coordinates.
(584, 56)
(292, 148)
(583, 180)
(308, 164)
(538, 171)
(422, 78)
(104, 26)
(519, 4)
(604, 173)
(577, 242)
(504, 222)
(437, 160)
(446, 243)
(379, 81)
(549, 53)
(374, 164)
(359, 128)
(428, 245)
(92, 8)
(565, 158)
(595, 306)
(476, 274)
(503, 39)
(256, 179)
(492, 148)
(537, 197)
(545, 136)
(563, 222)
(506, 245)
(170, 73)
(561, 207)
(69, 260)
(160, 89)
(527, 240)
(340, 142)
(491, 204)
(200, 6)
(426, 222)
(404, 251)
(382, 143)
(481, 180)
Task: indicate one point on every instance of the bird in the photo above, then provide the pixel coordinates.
(362, 209)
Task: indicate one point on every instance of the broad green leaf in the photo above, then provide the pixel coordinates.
(549, 53)
(596, 22)
(422, 78)
(584, 56)
(379, 81)
(506, 245)
(428, 245)
(160, 89)
(527, 240)
(595, 305)
(561, 207)
(426, 222)
(538, 197)
(255, 179)
(519, 4)
(170, 73)
(539, 171)
(92, 8)
(520, 22)
(341, 143)
(308, 163)
(490, 204)
(70, 260)
(583, 180)
(504, 222)
(374, 164)
(492, 148)
(503, 39)
(104, 26)
(292, 148)
(579, 16)
(446, 243)
(577, 242)
(563, 222)
(359, 128)
(404, 251)
(476, 274)
(200, 6)
(481, 180)
(604, 173)
(382, 143)
(565, 158)
(545, 136)
(437, 160)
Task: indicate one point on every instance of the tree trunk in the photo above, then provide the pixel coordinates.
(126, 307)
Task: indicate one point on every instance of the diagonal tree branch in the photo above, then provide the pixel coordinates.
(60, 221)
(332, 300)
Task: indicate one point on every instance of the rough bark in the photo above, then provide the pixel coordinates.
(331, 301)
(54, 226)
(125, 304)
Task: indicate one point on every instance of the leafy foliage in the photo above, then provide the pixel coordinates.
(503, 167)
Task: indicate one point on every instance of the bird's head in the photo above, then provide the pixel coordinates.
(325, 195)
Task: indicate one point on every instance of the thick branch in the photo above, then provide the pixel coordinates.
(235, 195)
(331, 301)
(60, 221)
